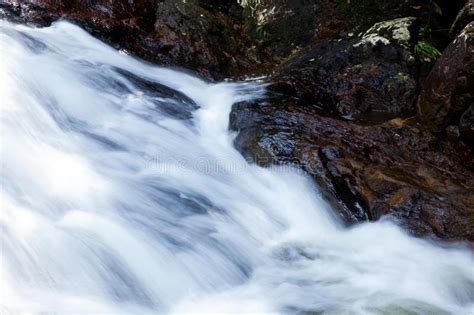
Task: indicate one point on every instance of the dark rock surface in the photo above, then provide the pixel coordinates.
(366, 171)
(373, 165)
(371, 78)
(201, 35)
(284, 26)
(216, 38)
(449, 88)
(281, 24)
(466, 126)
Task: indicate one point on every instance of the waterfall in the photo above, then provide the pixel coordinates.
(122, 193)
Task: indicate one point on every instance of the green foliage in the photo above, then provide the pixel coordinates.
(425, 31)
(425, 49)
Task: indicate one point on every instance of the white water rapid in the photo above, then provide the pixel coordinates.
(122, 193)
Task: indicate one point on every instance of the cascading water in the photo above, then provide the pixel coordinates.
(122, 193)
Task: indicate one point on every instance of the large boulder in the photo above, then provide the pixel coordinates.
(394, 169)
(367, 78)
(449, 88)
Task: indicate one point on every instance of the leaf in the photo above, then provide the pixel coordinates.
(423, 48)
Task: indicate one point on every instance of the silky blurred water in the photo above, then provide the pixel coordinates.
(122, 193)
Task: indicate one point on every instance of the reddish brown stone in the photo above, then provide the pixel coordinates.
(449, 88)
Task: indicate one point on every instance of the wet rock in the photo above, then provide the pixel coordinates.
(187, 34)
(370, 78)
(341, 111)
(166, 100)
(366, 172)
(464, 17)
(449, 88)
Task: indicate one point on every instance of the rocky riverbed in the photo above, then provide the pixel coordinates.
(374, 101)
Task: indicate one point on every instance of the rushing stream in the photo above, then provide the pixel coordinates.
(122, 193)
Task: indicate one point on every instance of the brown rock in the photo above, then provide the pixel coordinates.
(388, 167)
(370, 78)
(449, 88)
(366, 172)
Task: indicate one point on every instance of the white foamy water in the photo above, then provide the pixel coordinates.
(122, 193)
